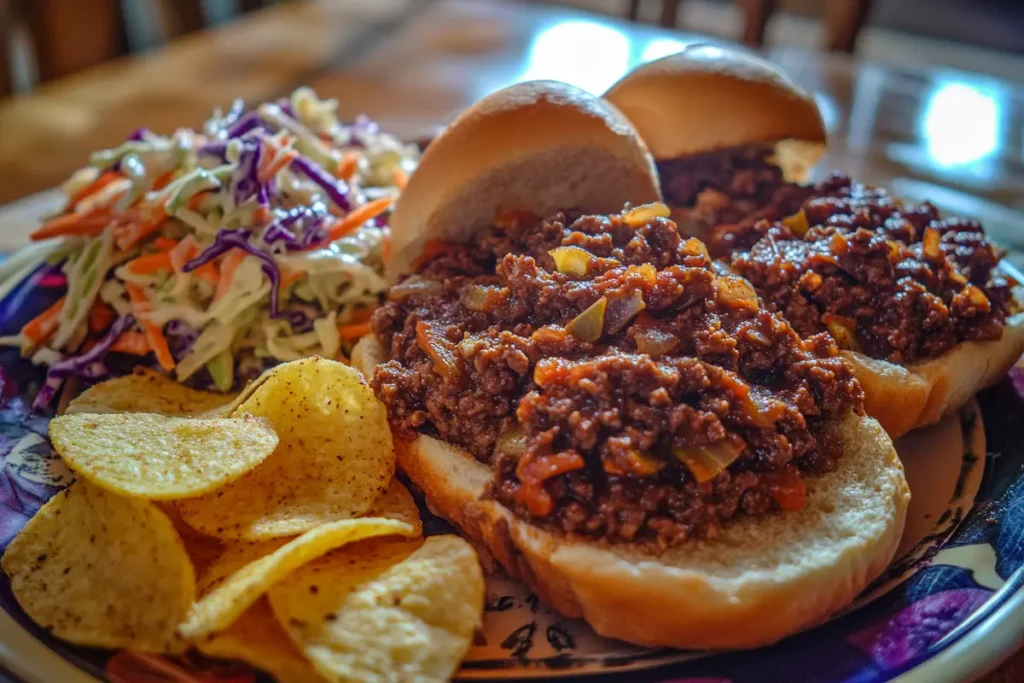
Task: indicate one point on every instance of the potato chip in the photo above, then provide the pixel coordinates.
(146, 391)
(161, 457)
(103, 570)
(385, 610)
(397, 503)
(335, 458)
(202, 549)
(257, 639)
(244, 571)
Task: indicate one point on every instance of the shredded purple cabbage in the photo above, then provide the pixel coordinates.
(244, 182)
(180, 337)
(228, 239)
(139, 134)
(215, 149)
(244, 124)
(300, 321)
(286, 106)
(336, 190)
(88, 364)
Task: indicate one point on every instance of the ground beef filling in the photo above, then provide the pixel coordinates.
(890, 279)
(626, 393)
(723, 196)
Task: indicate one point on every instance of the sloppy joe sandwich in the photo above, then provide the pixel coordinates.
(613, 420)
(915, 299)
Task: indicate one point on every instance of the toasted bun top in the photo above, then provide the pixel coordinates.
(710, 97)
(540, 146)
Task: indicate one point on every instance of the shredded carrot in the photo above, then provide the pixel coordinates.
(348, 165)
(358, 216)
(43, 325)
(150, 263)
(261, 215)
(342, 359)
(185, 251)
(350, 332)
(87, 224)
(400, 178)
(163, 180)
(228, 266)
(155, 336)
(196, 200)
(101, 316)
(274, 167)
(138, 225)
(165, 243)
(134, 343)
(361, 315)
(95, 186)
(290, 277)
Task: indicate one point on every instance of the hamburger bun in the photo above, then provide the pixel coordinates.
(711, 97)
(904, 398)
(540, 146)
(762, 578)
(707, 98)
(759, 581)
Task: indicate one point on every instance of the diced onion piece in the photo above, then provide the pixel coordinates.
(438, 348)
(694, 247)
(736, 291)
(638, 463)
(797, 223)
(931, 243)
(479, 297)
(511, 441)
(976, 296)
(707, 462)
(843, 330)
(623, 309)
(571, 260)
(654, 342)
(415, 286)
(640, 215)
(588, 326)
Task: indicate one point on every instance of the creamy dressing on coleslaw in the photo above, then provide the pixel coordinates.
(214, 253)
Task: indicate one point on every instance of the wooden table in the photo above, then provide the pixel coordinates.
(950, 137)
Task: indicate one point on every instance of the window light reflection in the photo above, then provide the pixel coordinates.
(962, 124)
(584, 53)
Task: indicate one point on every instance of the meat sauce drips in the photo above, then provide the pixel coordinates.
(615, 383)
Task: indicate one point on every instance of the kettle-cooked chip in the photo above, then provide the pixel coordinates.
(146, 391)
(102, 570)
(257, 639)
(335, 457)
(244, 571)
(161, 457)
(397, 503)
(385, 610)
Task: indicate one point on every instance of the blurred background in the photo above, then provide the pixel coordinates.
(924, 96)
(45, 39)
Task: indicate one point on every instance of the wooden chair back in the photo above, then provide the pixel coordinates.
(66, 36)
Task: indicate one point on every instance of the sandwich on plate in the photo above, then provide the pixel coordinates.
(918, 302)
(604, 411)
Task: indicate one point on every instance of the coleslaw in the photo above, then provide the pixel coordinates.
(212, 254)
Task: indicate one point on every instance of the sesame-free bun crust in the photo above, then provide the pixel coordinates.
(711, 97)
(909, 397)
(540, 146)
(759, 581)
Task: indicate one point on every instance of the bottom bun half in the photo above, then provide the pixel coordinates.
(903, 398)
(759, 581)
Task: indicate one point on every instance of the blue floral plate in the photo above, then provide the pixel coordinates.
(949, 608)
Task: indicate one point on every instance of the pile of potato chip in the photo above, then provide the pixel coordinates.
(268, 529)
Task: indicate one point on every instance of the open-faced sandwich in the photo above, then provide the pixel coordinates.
(577, 387)
(916, 300)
